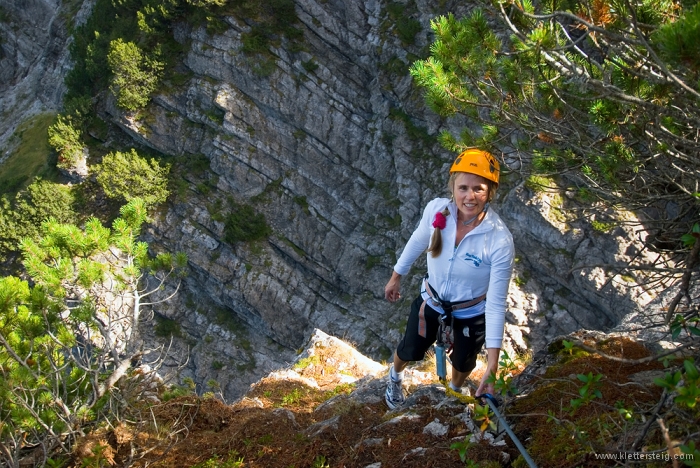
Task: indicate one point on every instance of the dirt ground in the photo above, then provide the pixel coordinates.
(285, 422)
(274, 427)
(305, 416)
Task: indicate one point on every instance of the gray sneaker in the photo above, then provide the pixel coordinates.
(394, 393)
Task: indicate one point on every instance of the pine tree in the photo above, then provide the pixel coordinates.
(136, 75)
(22, 217)
(67, 340)
(65, 139)
(126, 175)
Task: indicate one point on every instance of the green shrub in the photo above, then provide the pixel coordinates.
(310, 66)
(264, 67)
(136, 76)
(306, 362)
(207, 3)
(4, 16)
(216, 25)
(176, 391)
(216, 115)
(303, 203)
(128, 175)
(602, 226)
(244, 224)
(165, 327)
(231, 461)
(678, 39)
(23, 216)
(521, 280)
(64, 138)
(538, 183)
(395, 66)
(407, 30)
(275, 19)
(196, 164)
(372, 261)
(257, 40)
(203, 188)
(292, 398)
(406, 27)
(415, 133)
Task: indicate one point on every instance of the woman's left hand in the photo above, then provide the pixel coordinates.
(484, 387)
(491, 368)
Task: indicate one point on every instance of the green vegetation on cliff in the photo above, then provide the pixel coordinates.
(64, 349)
(128, 46)
(22, 216)
(30, 155)
(64, 138)
(244, 224)
(126, 175)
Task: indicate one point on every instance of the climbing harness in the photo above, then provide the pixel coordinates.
(493, 403)
(444, 341)
(448, 307)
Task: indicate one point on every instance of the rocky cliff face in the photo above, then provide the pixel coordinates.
(34, 57)
(335, 148)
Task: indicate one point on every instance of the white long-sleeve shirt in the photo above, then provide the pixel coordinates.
(482, 263)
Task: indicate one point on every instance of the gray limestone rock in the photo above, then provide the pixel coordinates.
(34, 58)
(436, 429)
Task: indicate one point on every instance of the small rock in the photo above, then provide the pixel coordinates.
(286, 413)
(479, 436)
(436, 429)
(251, 402)
(647, 377)
(400, 418)
(434, 393)
(368, 443)
(323, 426)
(417, 451)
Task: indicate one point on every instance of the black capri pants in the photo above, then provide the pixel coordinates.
(469, 336)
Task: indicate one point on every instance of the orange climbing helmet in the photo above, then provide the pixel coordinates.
(476, 161)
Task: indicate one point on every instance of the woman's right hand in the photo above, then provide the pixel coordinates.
(393, 287)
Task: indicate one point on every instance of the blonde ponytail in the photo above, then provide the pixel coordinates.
(435, 247)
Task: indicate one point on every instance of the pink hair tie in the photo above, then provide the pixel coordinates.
(440, 221)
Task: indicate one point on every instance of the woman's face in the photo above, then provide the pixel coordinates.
(471, 193)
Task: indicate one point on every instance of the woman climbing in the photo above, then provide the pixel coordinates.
(470, 261)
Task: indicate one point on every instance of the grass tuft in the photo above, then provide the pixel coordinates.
(31, 156)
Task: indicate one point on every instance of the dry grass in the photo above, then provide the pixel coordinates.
(560, 435)
(281, 423)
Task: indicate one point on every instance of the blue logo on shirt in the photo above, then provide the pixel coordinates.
(473, 258)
